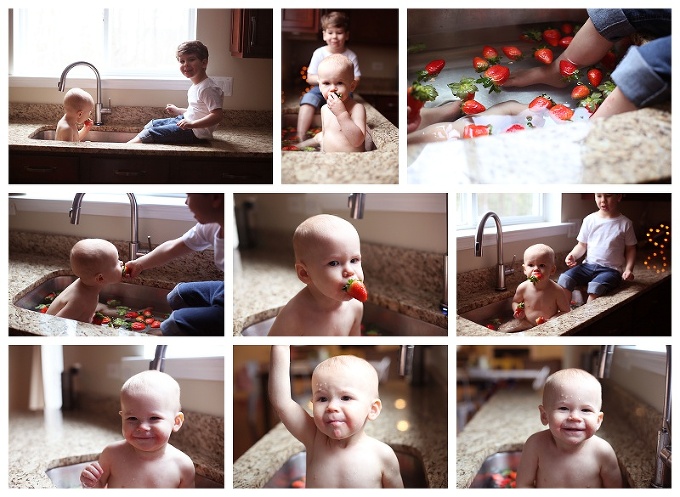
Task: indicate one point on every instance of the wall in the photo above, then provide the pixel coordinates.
(252, 77)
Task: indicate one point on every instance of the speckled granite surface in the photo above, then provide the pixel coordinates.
(241, 134)
(634, 147)
(511, 416)
(39, 442)
(34, 258)
(404, 280)
(476, 288)
(426, 437)
(376, 166)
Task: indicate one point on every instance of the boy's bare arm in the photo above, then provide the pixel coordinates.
(164, 253)
(630, 253)
(292, 415)
(576, 253)
(215, 117)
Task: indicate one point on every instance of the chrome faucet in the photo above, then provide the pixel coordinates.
(99, 109)
(158, 362)
(133, 245)
(501, 270)
(355, 202)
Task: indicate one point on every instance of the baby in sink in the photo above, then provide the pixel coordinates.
(538, 298)
(344, 398)
(96, 264)
(78, 105)
(151, 412)
(327, 255)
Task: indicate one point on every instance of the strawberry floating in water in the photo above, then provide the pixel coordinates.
(513, 53)
(472, 107)
(494, 77)
(569, 71)
(561, 112)
(544, 55)
(480, 64)
(540, 320)
(594, 77)
(465, 89)
(490, 54)
(432, 69)
(356, 289)
(580, 92)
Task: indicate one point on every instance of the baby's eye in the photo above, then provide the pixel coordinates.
(333, 263)
(346, 397)
(321, 399)
(355, 260)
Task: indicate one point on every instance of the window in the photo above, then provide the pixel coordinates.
(188, 360)
(136, 42)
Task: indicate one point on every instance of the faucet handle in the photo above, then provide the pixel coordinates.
(107, 110)
(511, 268)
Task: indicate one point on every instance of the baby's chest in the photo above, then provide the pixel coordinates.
(342, 469)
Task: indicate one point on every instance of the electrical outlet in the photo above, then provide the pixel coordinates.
(224, 82)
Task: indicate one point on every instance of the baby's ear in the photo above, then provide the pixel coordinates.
(179, 421)
(99, 278)
(302, 273)
(544, 415)
(376, 407)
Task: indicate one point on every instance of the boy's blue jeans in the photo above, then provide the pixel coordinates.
(600, 279)
(198, 309)
(166, 131)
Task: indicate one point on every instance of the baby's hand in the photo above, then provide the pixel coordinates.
(335, 104)
(88, 123)
(519, 311)
(91, 475)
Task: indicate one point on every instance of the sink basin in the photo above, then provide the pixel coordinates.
(69, 477)
(293, 470)
(92, 136)
(377, 321)
(491, 314)
(498, 470)
(289, 122)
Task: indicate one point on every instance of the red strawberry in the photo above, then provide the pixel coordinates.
(416, 97)
(513, 53)
(592, 102)
(594, 76)
(514, 128)
(552, 36)
(432, 69)
(544, 55)
(569, 70)
(540, 320)
(480, 64)
(475, 130)
(565, 41)
(490, 54)
(494, 77)
(540, 103)
(472, 107)
(567, 28)
(465, 89)
(580, 92)
(561, 112)
(531, 36)
(356, 289)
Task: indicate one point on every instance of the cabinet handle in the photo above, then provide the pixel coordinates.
(121, 172)
(40, 169)
(253, 30)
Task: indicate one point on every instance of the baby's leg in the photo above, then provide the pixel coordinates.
(304, 121)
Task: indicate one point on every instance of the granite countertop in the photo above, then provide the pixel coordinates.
(266, 281)
(40, 441)
(426, 436)
(634, 147)
(511, 415)
(476, 289)
(375, 166)
(35, 258)
(241, 133)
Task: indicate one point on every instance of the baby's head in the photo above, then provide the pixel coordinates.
(327, 253)
(78, 103)
(95, 262)
(572, 399)
(336, 73)
(150, 409)
(193, 47)
(539, 261)
(344, 396)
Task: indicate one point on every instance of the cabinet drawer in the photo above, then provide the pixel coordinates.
(122, 170)
(245, 171)
(27, 168)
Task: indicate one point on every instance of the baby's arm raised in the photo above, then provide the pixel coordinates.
(292, 415)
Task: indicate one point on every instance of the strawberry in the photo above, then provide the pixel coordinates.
(490, 54)
(513, 53)
(472, 107)
(569, 70)
(475, 130)
(356, 289)
(565, 41)
(606, 88)
(551, 36)
(518, 310)
(594, 76)
(540, 103)
(544, 55)
(592, 102)
(514, 128)
(540, 320)
(561, 112)
(494, 77)
(567, 28)
(531, 36)
(416, 97)
(580, 92)
(465, 89)
(432, 69)
(534, 278)
(480, 64)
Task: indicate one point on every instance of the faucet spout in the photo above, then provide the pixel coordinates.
(502, 271)
(99, 107)
(355, 202)
(662, 471)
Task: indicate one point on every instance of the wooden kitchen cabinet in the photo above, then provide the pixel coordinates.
(228, 171)
(134, 170)
(252, 33)
(43, 169)
(300, 21)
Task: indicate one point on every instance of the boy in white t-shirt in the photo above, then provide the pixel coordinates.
(609, 240)
(198, 307)
(196, 122)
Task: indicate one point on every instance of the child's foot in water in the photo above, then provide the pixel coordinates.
(547, 75)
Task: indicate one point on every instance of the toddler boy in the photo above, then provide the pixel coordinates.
(151, 412)
(344, 398)
(78, 105)
(569, 454)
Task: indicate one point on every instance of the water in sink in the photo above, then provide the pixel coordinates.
(68, 476)
(498, 470)
(292, 473)
(377, 321)
(92, 136)
(492, 315)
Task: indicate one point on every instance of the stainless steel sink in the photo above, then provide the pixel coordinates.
(133, 296)
(290, 121)
(92, 136)
(491, 314)
(292, 473)
(498, 470)
(377, 321)
(68, 476)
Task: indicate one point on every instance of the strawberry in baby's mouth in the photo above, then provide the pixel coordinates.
(356, 289)
(534, 278)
